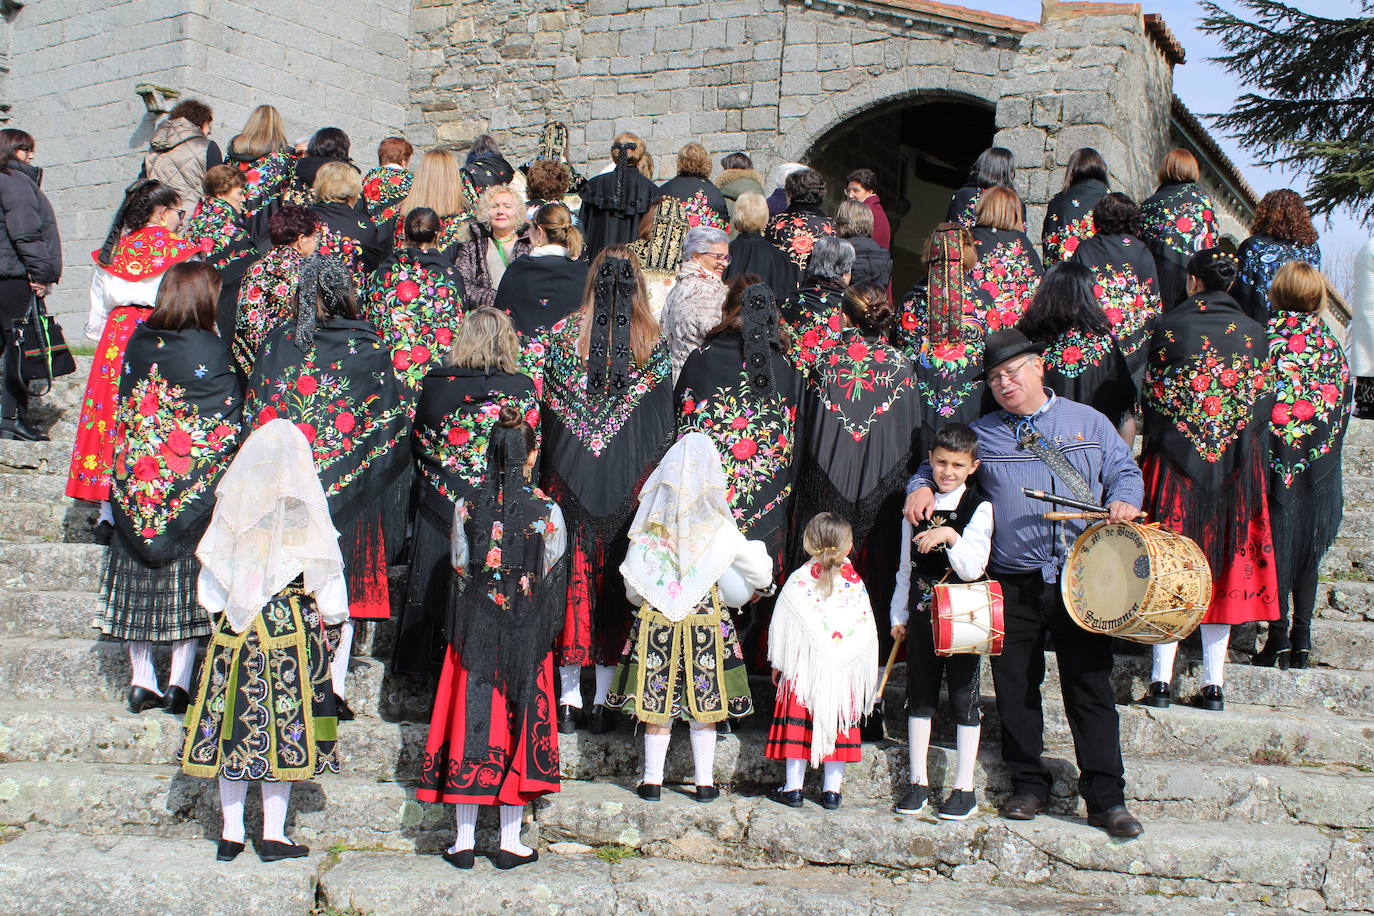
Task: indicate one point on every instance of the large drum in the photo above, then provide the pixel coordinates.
(967, 618)
(1136, 582)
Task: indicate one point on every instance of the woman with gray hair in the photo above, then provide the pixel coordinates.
(872, 264)
(695, 302)
(823, 283)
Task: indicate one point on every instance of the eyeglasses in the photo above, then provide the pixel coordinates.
(720, 258)
(180, 213)
(1009, 373)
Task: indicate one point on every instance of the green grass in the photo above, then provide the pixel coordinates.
(82, 349)
(616, 852)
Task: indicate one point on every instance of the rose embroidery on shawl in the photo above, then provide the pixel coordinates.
(460, 446)
(1183, 221)
(1075, 352)
(1204, 408)
(215, 228)
(346, 249)
(416, 310)
(1310, 378)
(1129, 303)
(1062, 241)
(1009, 278)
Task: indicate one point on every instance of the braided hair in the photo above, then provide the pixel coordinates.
(141, 199)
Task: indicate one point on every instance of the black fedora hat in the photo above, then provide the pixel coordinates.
(1008, 343)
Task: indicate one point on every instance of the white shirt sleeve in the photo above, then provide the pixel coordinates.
(734, 591)
(751, 571)
(458, 539)
(100, 304)
(898, 613)
(969, 555)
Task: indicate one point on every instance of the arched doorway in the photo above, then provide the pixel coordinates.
(921, 148)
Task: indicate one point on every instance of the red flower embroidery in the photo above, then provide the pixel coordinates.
(308, 431)
(179, 442)
(407, 290)
(1279, 416)
(267, 415)
(345, 422)
(744, 449)
(146, 469)
(458, 436)
(307, 385)
(739, 423)
(148, 406)
(1211, 405)
(1184, 224)
(1303, 409)
(1072, 355)
(858, 350)
(1297, 343)
(419, 354)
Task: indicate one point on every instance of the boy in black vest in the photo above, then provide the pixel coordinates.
(957, 538)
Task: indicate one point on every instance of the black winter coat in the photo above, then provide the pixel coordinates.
(29, 244)
(872, 264)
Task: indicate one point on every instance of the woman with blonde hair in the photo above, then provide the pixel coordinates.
(614, 202)
(751, 253)
(496, 236)
(344, 232)
(1177, 222)
(541, 287)
(437, 184)
(1008, 267)
(263, 154)
(608, 418)
(458, 404)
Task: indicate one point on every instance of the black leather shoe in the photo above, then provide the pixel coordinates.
(914, 800)
(1117, 821)
(141, 698)
(102, 533)
(506, 859)
(602, 721)
(342, 711)
(1210, 698)
(1022, 807)
(175, 701)
(830, 800)
(1157, 695)
(871, 727)
(649, 792)
(463, 858)
(19, 430)
(275, 850)
(791, 798)
(567, 719)
(228, 851)
(706, 794)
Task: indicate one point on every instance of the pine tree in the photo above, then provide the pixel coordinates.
(1312, 110)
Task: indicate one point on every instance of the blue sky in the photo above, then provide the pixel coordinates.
(1207, 87)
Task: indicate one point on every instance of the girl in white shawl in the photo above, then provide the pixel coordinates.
(823, 645)
(687, 560)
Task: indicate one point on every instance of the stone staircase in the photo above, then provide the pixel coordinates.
(1267, 806)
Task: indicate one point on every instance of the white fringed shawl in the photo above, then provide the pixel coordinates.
(825, 645)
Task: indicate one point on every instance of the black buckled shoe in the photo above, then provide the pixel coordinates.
(602, 721)
(706, 794)
(567, 719)
(175, 701)
(1118, 822)
(276, 850)
(141, 698)
(649, 791)
(1210, 698)
(1159, 695)
(792, 798)
(1022, 807)
(228, 851)
(830, 800)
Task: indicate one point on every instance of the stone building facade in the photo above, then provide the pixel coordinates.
(912, 88)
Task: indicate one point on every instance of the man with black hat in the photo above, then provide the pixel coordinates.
(1039, 440)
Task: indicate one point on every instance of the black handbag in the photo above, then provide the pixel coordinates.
(43, 353)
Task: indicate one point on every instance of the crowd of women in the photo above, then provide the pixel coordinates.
(659, 434)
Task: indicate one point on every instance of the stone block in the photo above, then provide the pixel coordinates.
(1092, 107)
(642, 41)
(834, 56)
(1013, 111)
(1046, 111)
(673, 38)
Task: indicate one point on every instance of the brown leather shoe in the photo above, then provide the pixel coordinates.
(1118, 822)
(1022, 806)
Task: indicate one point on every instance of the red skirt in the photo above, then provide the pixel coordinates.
(93, 453)
(596, 618)
(1247, 588)
(369, 593)
(789, 734)
(519, 761)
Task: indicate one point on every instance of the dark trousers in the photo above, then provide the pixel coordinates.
(1033, 608)
(16, 297)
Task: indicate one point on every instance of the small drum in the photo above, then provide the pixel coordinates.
(967, 618)
(1136, 582)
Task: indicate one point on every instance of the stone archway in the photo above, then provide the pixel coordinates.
(921, 147)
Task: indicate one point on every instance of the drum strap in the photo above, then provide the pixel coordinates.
(1028, 437)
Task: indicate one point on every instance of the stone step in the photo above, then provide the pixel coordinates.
(34, 507)
(1358, 486)
(52, 457)
(55, 614)
(51, 567)
(1345, 600)
(51, 873)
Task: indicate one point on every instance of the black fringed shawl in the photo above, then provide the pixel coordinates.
(177, 427)
(1069, 219)
(1177, 222)
(1127, 288)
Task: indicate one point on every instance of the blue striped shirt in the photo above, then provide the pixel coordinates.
(1022, 540)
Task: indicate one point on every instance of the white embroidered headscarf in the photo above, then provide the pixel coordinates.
(271, 524)
(684, 536)
(824, 643)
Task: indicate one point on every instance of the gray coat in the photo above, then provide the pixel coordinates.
(29, 244)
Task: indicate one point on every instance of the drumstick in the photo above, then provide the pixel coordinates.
(887, 669)
(1071, 516)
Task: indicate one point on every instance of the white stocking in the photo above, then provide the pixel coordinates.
(1215, 638)
(966, 740)
(918, 748)
(704, 752)
(232, 792)
(604, 673)
(275, 795)
(655, 753)
(796, 773)
(834, 776)
(570, 686)
(511, 816)
(141, 661)
(183, 660)
(338, 667)
(1162, 668)
(466, 816)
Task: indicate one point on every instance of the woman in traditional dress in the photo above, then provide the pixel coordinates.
(1281, 232)
(176, 429)
(751, 253)
(389, 183)
(1069, 214)
(553, 147)
(995, 167)
(797, 229)
(1313, 394)
(227, 239)
(415, 301)
(141, 247)
(261, 152)
(1082, 359)
(872, 263)
(491, 736)
(497, 236)
(1207, 406)
(264, 710)
(345, 233)
(607, 418)
(1125, 283)
(437, 185)
(326, 145)
(1008, 268)
(815, 311)
(329, 372)
(457, 408)
(1177, 222)
(267, 296)
(687, 563)
(695, 303)
(614, 202)
(659, 250)
(541, 288)
(741, 390)
(705, 203)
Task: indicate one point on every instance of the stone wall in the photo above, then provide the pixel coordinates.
(74, 65)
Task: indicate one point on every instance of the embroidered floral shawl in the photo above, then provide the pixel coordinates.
(266, 299)
(268, 178)
(1128, 291)
(1069, 219)
(1090, 369)
(1260, 258)
(383, 190)
(795, 232)
(1177, 222)
(415, 304)
(1313, 391)
(1008, 270)
(216, 228)
(147, 253)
